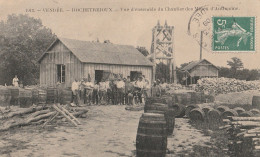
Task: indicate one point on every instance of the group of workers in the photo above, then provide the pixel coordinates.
(120, 91)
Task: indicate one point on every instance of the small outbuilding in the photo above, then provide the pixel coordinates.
(69, 59)
(199, 69)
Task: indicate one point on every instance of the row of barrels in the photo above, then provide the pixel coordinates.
(217, 114)
(27, 96)
(155, 124)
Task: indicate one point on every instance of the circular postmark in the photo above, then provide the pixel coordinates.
(200, 27)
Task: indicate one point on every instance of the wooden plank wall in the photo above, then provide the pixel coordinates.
(117, 69)
(205, 70)
(59, 54)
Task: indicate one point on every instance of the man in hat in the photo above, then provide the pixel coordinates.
(120, 85)
(139, 88)
(129, 89)
(75, 89)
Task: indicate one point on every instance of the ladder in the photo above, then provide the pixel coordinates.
(61, 110)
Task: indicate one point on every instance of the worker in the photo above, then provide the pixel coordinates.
(75, 91)
(146, 91)
(129, 88)
(102, 92)
(120, 85)
(88, 90)
(95, 93)
(109, 91)
(15, 81)
(156, 89)
(139, 85)
(113, 91)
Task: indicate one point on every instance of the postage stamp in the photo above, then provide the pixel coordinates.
(233, 34)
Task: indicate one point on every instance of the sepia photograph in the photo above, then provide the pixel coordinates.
(129, 78)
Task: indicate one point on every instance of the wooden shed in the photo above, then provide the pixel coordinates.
(199, 69)
(69, 59)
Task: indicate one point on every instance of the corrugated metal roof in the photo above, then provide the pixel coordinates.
(105, 53)
(192, 64)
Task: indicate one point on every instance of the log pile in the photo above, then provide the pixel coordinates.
(225, 85)
(35, 115)
(244, 136)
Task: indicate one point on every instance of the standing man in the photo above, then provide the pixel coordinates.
(156, 90)
(15, 81)
(95, 93)
(120, 90)
(108, 89)
(129, 89)
(139, 87)
(88, 91)
(102, 92)
(75, 91)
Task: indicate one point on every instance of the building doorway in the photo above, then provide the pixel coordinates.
(134, 75)
(102, 75)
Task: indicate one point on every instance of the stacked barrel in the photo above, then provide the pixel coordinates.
(25, 98)
(164, 106)
(14, 95)
(151, 139)
(52, 95)
(5, 96)
(156, 123)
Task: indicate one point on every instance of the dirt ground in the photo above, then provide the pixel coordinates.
(108, 131)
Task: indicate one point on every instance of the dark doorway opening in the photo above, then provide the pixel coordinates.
(134, 75)
(102, 75)
(98, 75)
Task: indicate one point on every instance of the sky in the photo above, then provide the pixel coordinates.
(126, 27)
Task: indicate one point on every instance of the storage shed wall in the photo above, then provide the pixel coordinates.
(204, 69)
(59, 54)
(125, 70)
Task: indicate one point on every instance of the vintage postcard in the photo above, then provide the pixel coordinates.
(145, 78)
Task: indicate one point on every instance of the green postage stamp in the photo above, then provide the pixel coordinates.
(233, 34)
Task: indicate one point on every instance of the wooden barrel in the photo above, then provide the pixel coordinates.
(189, 108)
(222, 108)
(214, 116)
(197, 114)
(52, 95)
(5, 96)
(151, 138)
(194, 99)
(206, 109)
(169, 114)
(198, 97)
(152, 100)
(228, 113)
(246, 114)
(179, 111)
(42, 96)
(170, 120)
(14, 95)
(66, 96)
(239, 110)
(168, 99)
(35, 96)
(256, 101)
(25, 98)
(255, 111)
(183, 98)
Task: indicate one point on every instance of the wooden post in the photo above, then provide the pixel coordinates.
(201, 35)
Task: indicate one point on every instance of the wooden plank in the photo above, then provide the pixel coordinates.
(245, 118)
(64, 114)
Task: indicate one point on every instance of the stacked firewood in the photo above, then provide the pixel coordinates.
(225, 85)
(35, 115)
(244, 136)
